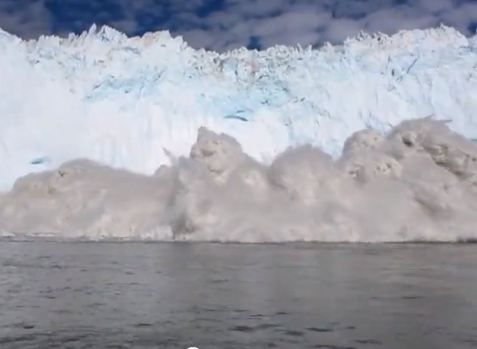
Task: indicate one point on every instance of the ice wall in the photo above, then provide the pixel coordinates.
(129, 102)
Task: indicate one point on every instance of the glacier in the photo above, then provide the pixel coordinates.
(137, 102)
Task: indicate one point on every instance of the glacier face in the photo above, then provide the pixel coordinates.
(134, 102)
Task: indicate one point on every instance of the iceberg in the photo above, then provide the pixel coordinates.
(136, 103)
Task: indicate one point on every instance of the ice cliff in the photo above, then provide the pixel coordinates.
(417, 183)
(136, 102)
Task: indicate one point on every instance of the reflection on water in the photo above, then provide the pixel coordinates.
(211, 296)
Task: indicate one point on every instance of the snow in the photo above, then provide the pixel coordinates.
(128, 102)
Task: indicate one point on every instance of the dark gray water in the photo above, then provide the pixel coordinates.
(211, 296)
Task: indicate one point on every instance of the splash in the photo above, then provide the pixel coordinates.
(417, 183)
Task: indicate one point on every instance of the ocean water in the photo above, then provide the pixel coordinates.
(216, 296)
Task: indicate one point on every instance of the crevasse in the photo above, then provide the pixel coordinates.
(132, 102)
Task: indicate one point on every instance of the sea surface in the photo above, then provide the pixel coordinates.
(216, 296)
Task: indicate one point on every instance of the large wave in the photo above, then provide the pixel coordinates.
(129, 102)
(418, 183)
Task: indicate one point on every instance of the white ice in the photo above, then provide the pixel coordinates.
(129, 102)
